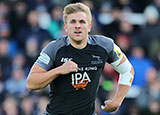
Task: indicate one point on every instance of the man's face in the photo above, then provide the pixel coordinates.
(77, 26)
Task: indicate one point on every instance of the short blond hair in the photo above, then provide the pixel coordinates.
(76, 7)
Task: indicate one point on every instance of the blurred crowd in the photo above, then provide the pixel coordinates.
(26, 26)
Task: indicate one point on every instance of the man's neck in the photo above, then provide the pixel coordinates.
(80, 44)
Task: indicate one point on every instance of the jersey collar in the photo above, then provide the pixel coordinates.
(68, 43)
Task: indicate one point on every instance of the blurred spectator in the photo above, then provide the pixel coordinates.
(18, 17)
(124, 43)
(150, 32)
(31, 51)
(93, 5)
(108, 19)
(5, 34)
(4, 30)
(27, 106)
(10, 106)
(18, 60)
(16, 84)
(41, 105)
(156, 3)
(5, 60)
(32, 31)
(56, 24)
(44, 20)
(4, 10)
(125, 36)
(151, 90)
(151, 14)
(153, 108)
(138, 57)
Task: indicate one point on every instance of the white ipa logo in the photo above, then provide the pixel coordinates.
(80, 80)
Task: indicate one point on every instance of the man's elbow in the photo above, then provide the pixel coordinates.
(29, 85)
(29, 88)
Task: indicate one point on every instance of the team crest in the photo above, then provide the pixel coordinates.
(117, 50)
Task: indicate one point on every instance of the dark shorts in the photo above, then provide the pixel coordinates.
(46, 113)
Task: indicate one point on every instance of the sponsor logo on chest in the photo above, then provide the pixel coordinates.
(80, 80)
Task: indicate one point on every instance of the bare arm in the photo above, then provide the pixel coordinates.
(126, 71)
(114, 104)
(39, 78)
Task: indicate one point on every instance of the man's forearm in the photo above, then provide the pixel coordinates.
(120, 93)
(39, 80)
(113, 104)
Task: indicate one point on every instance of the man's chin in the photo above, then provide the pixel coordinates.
(78, 38)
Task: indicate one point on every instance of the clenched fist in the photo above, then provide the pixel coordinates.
(68, 67)
(110, 106)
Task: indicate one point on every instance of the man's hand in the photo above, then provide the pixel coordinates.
(68, 67)
(110, 106)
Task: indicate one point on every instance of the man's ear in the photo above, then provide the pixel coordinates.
(90, 26)
(65, 27)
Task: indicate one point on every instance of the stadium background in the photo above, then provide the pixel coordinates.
(26, 26)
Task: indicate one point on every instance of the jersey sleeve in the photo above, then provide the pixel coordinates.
(45, 60)
(114, 53)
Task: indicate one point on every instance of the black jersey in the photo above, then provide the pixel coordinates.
(75, 93)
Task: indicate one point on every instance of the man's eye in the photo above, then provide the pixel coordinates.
(72, 22)
(82, 21)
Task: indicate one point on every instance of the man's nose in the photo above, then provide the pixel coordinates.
(77, 25)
